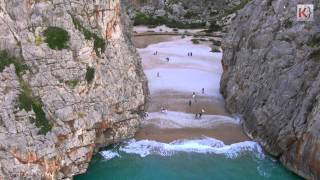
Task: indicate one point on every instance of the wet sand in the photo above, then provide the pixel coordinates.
(228, 133)
(175, 101)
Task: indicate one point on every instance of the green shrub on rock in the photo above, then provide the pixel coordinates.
(72, 83)
(98, 44)
(90, 74)
(56, 38)
(316, 55)
(28, 103)
(41, 120)
(213, 27)
(24, 99)
(236, 8)
(215, 50)
(195, 41)
(190, 15)
(144, 19)
(6, 60)
(288, 23)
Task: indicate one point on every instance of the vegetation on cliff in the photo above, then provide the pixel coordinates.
(72, 83)
(56, 38)
(90, 74)
(6, 60)
(144, 19)
(99, 43)
(28, 103)
(236, 8)
(213, 27)
(25, 100)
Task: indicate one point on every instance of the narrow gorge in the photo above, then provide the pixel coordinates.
(159, 89)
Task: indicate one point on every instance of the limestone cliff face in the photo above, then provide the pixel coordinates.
(84, 115)
(271, 77)
(188, 11)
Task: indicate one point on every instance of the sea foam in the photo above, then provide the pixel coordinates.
(107, 155)
(204, 145)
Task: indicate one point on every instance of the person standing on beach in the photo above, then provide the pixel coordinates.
(202, 90)
(190, 53)
(158, 74)
(196, 117)
(190, 102)
(168, 59)
(194, 96)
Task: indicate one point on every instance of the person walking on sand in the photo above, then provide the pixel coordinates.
(168, 59)
(202, 90)
(190, 103)
(190, 53)
(202, 112)
(196, 117)
(158, 74)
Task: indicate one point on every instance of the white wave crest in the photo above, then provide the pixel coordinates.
(107, 155)
(205, 145)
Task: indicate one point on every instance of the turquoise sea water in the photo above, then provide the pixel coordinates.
(154, 162)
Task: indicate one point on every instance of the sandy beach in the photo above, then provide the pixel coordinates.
(172, 83)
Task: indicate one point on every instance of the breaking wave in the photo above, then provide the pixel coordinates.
(204, 145)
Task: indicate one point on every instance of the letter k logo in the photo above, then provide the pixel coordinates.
(302, 12)
(305, 12)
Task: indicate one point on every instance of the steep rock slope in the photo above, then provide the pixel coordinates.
(188, 11)
(271, 77)
(57, 106)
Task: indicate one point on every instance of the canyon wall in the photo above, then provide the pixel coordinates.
(271, 78)
(187, 11)
(58, 105)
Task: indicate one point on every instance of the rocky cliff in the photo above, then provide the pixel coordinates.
(201, 12)
(271, 77)
(71, 82)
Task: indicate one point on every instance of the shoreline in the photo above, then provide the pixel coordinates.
(226, 132)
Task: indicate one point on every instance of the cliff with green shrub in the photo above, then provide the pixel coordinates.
(71, 82)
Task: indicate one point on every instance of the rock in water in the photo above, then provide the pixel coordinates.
(76, 85)
(271, 76)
